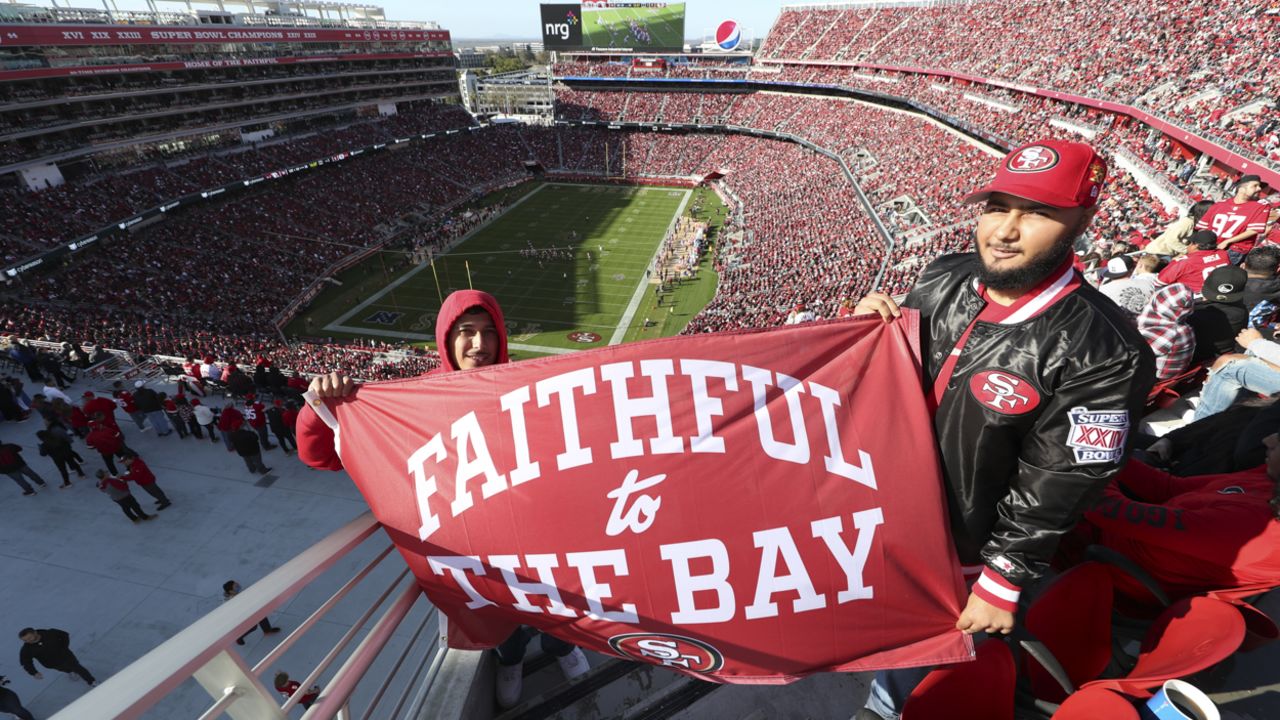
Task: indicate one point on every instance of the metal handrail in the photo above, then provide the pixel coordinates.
(341, 645)
(202, 650)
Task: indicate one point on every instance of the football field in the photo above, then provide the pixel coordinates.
(612, 27)
(567, 263)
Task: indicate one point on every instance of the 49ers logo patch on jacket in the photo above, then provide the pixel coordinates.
(1004, 392)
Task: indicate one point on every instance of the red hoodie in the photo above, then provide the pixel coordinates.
(105, 438)
(315, 439)
(140, 473)
(230, 420)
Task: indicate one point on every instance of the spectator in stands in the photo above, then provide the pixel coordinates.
(1191, 269)
(108, 441)
(247, 446)
(1195, 534)
(149, 403)
(229, 420)
(118, 490)
(1239, 222)
(204, 419)
(1226, 442)
(127, 403)
(287, 688)
(1256, 370)
(11, 703)
(1163, 325)
(255, 413)
(22, 354)
(230, 589)
(275, 420)
(1220, 314)
(1132, 292)
(1173, 241)
(50, 647)
(1011, 499)
(57, 447)
(142, 476)
(13, 465)
(51, 367)
(471, 331)
(1261, 264)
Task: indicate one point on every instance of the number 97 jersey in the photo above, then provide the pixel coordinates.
(1228, 219)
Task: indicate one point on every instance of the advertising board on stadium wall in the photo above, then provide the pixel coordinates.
(95, 70)
(31, 35)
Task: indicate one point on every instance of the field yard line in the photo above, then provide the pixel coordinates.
(634, 305)
(336, 325)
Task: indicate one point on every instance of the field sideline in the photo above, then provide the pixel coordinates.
(567, 262)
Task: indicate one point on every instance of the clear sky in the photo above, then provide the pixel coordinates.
(519, 18)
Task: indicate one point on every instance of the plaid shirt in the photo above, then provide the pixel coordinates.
(1162, 325)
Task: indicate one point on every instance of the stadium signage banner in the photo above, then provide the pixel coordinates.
(719, 504)
(562, 26)
(202, 64)
(30, 35)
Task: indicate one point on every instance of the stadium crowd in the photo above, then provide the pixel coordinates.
(1192, 62)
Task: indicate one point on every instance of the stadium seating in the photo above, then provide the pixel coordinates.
(1195, 63)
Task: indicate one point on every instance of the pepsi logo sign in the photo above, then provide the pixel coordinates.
(669, 650)
(728, 35)
(1031, 159)
(1004, 392)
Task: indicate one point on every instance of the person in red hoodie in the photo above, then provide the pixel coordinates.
(108, 441)
(100, 409)
(470, 333)
(287, 688)
(141, 475)
(228, 422)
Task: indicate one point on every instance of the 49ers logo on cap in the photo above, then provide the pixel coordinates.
(1031, 159)
(669, 650)
(1004, 392)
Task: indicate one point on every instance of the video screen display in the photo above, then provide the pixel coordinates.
(601, 25)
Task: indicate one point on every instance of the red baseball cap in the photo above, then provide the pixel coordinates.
(1056, 173)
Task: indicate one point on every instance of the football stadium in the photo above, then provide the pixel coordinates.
(640, 360)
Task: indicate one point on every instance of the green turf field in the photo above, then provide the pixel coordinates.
(551, 304)
(611, 27)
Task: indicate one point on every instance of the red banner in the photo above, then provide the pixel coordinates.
(58, 34)
(212, 63)
(745, 507)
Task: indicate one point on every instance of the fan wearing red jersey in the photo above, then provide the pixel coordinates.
(1192, 269)
(1240, 222)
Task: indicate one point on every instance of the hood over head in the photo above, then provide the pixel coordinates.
(454, 306)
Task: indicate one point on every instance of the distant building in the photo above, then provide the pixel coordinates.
(469, 58)
(524, 93)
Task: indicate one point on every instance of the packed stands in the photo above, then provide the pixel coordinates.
(1194, 63)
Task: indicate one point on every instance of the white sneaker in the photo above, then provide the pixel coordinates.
(510, 683)
(574, 664)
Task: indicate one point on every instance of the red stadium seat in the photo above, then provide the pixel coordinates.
(1096, 703)
(1071, 620)
(1193, 634)
(978, 690)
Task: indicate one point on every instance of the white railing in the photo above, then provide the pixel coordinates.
(203, 651)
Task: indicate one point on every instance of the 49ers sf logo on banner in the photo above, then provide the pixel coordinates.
(722, 504)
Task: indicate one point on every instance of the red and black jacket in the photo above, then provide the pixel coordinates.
(1034, 406)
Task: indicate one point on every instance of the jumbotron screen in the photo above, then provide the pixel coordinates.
(612, 25)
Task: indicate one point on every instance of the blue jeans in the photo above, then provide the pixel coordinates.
(890, 689)
(160, 422)
(1223, 386)
(511, 651)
